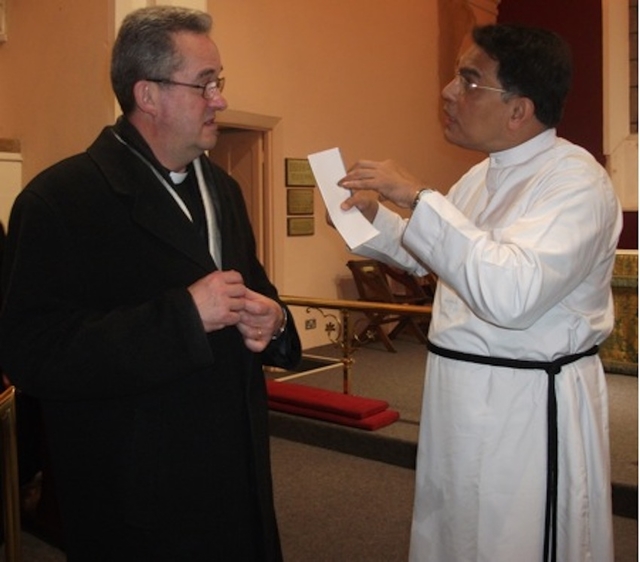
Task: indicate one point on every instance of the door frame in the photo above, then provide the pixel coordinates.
(265, 124)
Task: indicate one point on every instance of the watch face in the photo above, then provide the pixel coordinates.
(418, 196)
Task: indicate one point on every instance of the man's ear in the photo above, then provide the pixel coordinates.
(145, 95)
(523, 111)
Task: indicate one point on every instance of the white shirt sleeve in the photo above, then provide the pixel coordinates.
(530, 254)
(387, 246)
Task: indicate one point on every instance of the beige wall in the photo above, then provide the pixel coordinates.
(360, 75)
(54, 92)
(620, 144)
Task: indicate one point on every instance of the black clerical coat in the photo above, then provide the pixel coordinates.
(158, 430)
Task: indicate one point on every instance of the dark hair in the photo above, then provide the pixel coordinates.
(144, 47)
(532, 62)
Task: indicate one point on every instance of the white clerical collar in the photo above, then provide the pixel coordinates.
(209, 211)
(523, 152)
(178, 177)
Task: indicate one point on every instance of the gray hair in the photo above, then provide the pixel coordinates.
(144, 47)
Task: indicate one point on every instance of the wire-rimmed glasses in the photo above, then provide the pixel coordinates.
(468, 85)
(209, 90)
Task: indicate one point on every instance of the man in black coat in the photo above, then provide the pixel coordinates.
(137, 312)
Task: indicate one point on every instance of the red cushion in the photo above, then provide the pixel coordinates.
(347, 405)
(371, 423)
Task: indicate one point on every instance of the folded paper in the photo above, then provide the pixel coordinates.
(328, 168)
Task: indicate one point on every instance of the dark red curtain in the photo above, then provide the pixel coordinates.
(580, 23)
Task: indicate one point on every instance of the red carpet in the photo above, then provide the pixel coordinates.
(328, 405)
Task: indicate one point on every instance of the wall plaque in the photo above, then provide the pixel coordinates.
(300, 226)
(300, 201)
(297, 172)
(3, 21)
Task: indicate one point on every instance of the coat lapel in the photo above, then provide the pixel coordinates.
(233, 222)
(152, 207)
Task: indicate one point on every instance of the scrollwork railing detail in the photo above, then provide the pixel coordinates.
(344, 337)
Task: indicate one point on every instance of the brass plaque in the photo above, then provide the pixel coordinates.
(300, 226)
(300, 201)
(298, 173)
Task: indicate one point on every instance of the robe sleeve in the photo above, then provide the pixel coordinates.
(513, 274)
(387, 246)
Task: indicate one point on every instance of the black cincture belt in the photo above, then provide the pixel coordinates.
(552, 368)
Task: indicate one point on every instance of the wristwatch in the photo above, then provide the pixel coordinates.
(418, 196)
(283, 326)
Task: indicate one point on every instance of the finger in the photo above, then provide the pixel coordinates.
(248, 332)
(235, 305)
(257, 297)
(229, 276)
(354, 180)
(348, 203)
(362, 164)
(257, 340)
(255, 346)
(254, 309)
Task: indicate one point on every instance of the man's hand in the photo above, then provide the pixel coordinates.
(364, 201)
(261, 318)
(219, 298)
(387, 178)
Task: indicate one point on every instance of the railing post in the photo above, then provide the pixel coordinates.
(347, 350)
(346, 339)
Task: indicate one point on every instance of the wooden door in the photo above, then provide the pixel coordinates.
(240, 152)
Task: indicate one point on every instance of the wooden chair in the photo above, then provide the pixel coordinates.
(372, 279)
(10, 485)
(409, 289)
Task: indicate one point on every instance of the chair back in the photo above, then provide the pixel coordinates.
(371, 282)
(377, 282)
(406, 288)
(10, 484)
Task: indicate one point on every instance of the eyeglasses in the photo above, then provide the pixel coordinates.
(209, 89)
(468, 86)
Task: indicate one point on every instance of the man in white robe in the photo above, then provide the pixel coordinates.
(523, 246)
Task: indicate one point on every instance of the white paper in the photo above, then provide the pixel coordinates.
(328, 168)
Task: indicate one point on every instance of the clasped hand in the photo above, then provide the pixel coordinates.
(222, 299)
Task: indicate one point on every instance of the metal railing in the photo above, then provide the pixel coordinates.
(340, 328)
